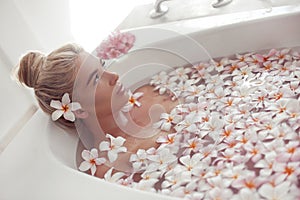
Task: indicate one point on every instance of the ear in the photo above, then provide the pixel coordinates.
(81, 114)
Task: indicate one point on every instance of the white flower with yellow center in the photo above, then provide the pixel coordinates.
(132, 101)
(114, 147)
(65, 108)
(90, 160)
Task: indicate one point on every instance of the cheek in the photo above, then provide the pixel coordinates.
(102, 98)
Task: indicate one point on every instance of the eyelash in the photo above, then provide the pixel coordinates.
(97, 78)
(102, 62)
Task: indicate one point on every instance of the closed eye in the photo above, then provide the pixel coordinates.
(102, 62)
(97, 78)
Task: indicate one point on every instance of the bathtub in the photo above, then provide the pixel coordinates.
(39, 163)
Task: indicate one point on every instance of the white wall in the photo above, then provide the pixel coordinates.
(26, 25)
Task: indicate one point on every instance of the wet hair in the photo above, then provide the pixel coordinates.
(51, 76)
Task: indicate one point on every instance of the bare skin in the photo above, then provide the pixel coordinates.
(140, 116)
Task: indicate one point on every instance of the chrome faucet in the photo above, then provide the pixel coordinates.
(221, 3)
(159, 9)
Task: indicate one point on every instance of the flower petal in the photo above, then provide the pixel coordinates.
(56, 104)
(84, 166)
(138, 95)
(104, 146)
(65, 99)
(85, 154)
(100, 161)
(93, 169)
(69, 115)
(94, 153)
(112, 156)
(75, 106)
(57, 114)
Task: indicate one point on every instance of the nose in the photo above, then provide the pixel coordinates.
(113, 78)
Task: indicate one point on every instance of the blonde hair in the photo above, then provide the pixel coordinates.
(50, 76)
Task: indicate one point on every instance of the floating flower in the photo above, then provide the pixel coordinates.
(132, 101)
(281, 191)
(113, 178)
(91, 160)
(65, 108)
(159, 78)
(114, 147)
(117, 44)
(167, 120)
(139, 160)
(162, 160)
(240, 139)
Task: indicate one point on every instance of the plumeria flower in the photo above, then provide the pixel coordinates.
(201, 66)
(114, 147)
(159, 78)
(113, 178)
(193, 92)
(288, 170)
(162, 160)
(167, 120)
(290, 152)
(254, 151)
(283, 55)
(176, 177)
(179, 74)
(266, 165)
(188, 191)
(145, 184)
(219, 65)
(234, 172)
(132, 101)
(189, 124)
(115, 45)
(246, 194)
(230, 69)
(265, 57)
(249, 181)
(139, 160)
(65, 108)
(192, 145)
(164, 86)
(166, 139)
(191, 162)
(280, 191)
(91, 160)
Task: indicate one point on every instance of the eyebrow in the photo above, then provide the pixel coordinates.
(91, 76)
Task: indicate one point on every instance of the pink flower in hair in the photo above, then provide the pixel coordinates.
(115, 45)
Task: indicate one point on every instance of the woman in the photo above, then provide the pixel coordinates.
(71, 70)
(235, 136)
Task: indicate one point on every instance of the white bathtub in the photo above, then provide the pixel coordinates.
(40, 161)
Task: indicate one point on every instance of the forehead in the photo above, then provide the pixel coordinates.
(86, 66)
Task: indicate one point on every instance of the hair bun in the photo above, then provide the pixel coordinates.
(29, 68)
